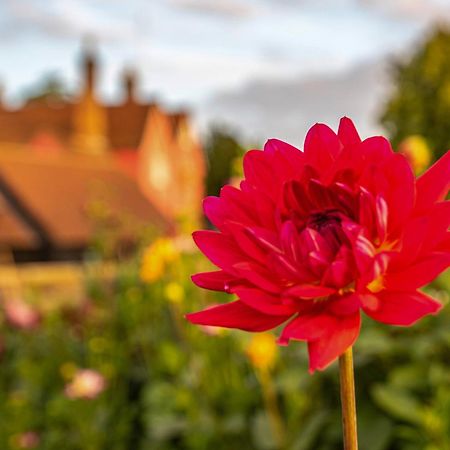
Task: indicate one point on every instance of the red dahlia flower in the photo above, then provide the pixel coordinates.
(315, 237)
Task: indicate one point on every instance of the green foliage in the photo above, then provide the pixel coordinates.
(50, 90)
(171, 385)
(420, 102)
(222, 149)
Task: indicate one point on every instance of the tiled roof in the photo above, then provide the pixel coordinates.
(56, 197)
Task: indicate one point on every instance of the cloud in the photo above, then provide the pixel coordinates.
(419, 10)
(64, 18)
(287, 109)
(224, 8)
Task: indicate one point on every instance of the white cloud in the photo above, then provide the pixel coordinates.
(418, 10)
(286, 110)
(187, 50)
(65, 18)
(226, 8)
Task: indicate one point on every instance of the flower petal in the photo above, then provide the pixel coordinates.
(422, 235)
(258, 275)
(258, 172)
(236, 204)
(218, 248)
(401, 192)
(285, 160)
(376, 149)
(434, 184)
(419, 274)
(214, 211)
(306, 327)
(264, 302)
(345, 305)
(363, 249)
(214, 281)
(402, 308)
(235, 315)
(339, 337)
(338, 274)
(347, 132)
(322, 147)
(245, 242)
(291, 154)
(381, 215)
(438, 224)
(309, 291)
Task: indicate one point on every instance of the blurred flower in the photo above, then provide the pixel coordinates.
(416, 150)
(183, 243)
(29, 439)
(174, 292)
(262, 351)
(212, 331)
(319, 235)
(86, 383)
(21, 314)
(156, 257)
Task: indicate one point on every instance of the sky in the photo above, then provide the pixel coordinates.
(216, 56)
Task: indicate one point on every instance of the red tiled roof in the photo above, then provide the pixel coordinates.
(57, 193)
(14, 231)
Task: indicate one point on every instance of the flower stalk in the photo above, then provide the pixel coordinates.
(272, 409)
(347, 381)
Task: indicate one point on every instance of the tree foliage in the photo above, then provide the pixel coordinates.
(222, 148)
(50, 89)
(420, 102)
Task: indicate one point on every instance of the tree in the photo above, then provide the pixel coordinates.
(221, 148)
(420, 102)
(50, 89)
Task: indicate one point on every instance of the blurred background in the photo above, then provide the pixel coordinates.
(116, 119)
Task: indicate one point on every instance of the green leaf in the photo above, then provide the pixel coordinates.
(310, 431)
(398, 403)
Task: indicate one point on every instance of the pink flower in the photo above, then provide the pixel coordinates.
(315, 237)
(28, 440)
(86, 383)
(21, 314)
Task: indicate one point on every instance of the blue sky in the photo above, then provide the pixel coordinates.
(190, 51)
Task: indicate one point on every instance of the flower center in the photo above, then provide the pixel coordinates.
(328, 224)
(324, 219)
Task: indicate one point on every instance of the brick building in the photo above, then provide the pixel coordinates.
(54, 151)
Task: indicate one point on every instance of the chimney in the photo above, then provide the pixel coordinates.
(89, 64)
(89, 117)
(129, 85)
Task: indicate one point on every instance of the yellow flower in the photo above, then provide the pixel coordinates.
(416, 149)
(262, 351)
(174, 292)
(156, 257)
